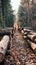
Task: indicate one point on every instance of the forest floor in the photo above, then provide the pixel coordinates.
(20, 52)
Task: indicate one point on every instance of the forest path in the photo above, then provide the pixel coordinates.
(21, 52)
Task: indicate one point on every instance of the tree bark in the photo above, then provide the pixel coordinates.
(3, 47)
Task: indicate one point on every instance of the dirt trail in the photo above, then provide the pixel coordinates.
(20, 51)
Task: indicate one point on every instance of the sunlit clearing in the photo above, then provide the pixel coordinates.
(16, 24)
(15, 5)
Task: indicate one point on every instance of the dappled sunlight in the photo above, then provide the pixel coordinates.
(16, 23)
(15, 5)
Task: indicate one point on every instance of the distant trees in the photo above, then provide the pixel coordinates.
(34, 16)
(27, 12)
(7, 14)
(0, 13)
(22, 14)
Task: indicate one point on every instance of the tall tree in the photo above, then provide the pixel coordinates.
(0, 13)
(7, 13)
(26, 13)
(22, 13)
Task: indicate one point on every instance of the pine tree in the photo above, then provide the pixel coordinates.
(7, 13)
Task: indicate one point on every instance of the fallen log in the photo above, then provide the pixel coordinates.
(33, 45)
(32, 37)
(22, 31)
(3, 47)
(26, 31)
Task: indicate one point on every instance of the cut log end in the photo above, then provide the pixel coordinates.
(33, 45)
